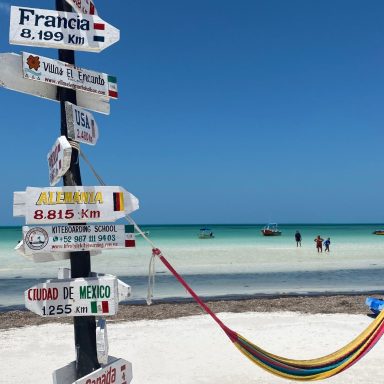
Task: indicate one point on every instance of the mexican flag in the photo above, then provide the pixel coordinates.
(129, 236)
(99, 307)
(112, 87)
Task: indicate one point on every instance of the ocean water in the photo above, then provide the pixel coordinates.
(238, 261)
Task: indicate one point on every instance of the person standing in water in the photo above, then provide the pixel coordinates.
(319, 243)
(298, 238)
(326, 244)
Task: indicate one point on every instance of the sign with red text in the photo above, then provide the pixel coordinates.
(91, 296)
(59, 205)
(61, 30)
(73, 238)
(117, 371)
(66, 75)
(59, 160)
(83, 6)
(81, 124)
(11, 77)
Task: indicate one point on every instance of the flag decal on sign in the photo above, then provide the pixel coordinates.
(98, 27)
(130, 243)
(118, 201)
(130, 236)
(112, 85)
(101, 306)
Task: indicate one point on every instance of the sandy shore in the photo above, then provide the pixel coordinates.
(172, 343)
(192, 349)
(348, 304)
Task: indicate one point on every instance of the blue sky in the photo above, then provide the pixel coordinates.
(229, 111)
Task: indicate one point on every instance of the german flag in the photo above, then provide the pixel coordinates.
(118, 201)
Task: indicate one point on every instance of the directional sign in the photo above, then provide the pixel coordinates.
(117, 371)
(73, 238)
(73, 204)
(59, 160)
(11, 77)
(66, 75)
(83, 6)
(45, 257)
(61, 30)
(91, 296)
(81, 124)
(102, 346)
(124, 291)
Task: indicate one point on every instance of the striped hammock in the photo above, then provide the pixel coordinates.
(300, 370)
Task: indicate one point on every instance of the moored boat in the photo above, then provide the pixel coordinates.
(378, 232)
(206, 233)
(271, 230)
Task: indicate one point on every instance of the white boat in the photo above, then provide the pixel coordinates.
(206, 233)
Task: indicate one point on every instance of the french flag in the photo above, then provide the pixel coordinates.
(99, 27)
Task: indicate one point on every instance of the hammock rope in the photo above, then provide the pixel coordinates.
(299, 370)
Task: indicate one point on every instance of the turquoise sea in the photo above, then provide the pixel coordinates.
(239, 261)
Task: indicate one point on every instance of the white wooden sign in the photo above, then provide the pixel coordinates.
(91, 296)
(83, 6)
(11, 77)
(61, 30)
(59, 205)
(102, 346)
(117, 371)
(81, 124)
(59, 160)
(66, 75)
(73, 238)
(44, 257)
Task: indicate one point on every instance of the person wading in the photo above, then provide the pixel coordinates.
(319, 243)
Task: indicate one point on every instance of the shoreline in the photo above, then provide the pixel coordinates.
(352, 303)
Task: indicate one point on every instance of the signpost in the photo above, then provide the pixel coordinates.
(85, 295)
(58, 205)
(11, 77)
(61, 30)
(66, 75)
(90, 296)
(117, 371)
(59, 160)
(81, 124)
(83, 6)
(73, 237)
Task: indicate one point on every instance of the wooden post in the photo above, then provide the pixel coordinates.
(84, 326)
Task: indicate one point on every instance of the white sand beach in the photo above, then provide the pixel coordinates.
(194, 349)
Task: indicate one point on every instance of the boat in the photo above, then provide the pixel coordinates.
(378, 232)
(206, 233)
(271, 230)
